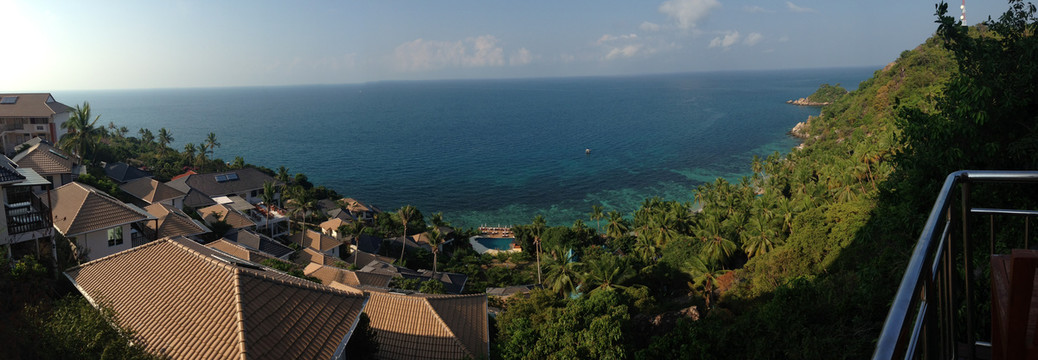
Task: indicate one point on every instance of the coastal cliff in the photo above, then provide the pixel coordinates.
(806, 102)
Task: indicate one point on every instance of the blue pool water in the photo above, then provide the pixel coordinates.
(495, 243)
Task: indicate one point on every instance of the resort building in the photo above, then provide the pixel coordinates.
(331, 227)
(96, 223)
(52, 163)
(254, 241)
(359, 210)
(149, 191)
(421, 326)
(246, 183)
(236, 219)
(122, 173)
(317, 242)
(25, 224)
(331, 274)
(171, 222)
(453, 283)
(26, 116)
(187, 301)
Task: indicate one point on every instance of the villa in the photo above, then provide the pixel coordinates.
(183, 300)
(122, 173)
(26, 216)
(246, 183)
(26, 116)
(421, 326)
(172, 222)
(52, 163)
(96, 223)
(149, 191)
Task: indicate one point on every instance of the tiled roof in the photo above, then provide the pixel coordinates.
(511, 290)
(45, 159)
(184, 302)
(454, 282)
(355, 206)
(247, 179)
(150, 190)
(238, 251)
(308, 255)
(236, 219)
(32, 105)
(364, 258)
(257, 241)
(122, 172)
(80, 208)
(330, 274)
(315, 240)
(429, 326)
(173, 222)
(333, 224)
(195, 198)
(341, 214)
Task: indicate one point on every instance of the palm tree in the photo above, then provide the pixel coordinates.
(597, 215)
(563, 276)
(165, 137)
(356, 228)
(759, 238)
(607, 272)
(268, 198)
(305, 203)
(189, 152)
(617, 225)
(211, 144)
(538, 229)
(716, 246)
(435, 238)
(406, 213)
(81, 131)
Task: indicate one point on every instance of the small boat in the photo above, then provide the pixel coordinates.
(587, 151)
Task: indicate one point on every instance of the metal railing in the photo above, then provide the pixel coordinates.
(30, 215)
(925, 319)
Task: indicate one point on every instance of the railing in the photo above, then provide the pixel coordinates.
(925, 320)
(28, 215)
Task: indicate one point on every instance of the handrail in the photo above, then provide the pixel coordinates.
(901, 331)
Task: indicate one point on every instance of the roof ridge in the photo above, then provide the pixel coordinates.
(302, 283)
(239, 314)
(453, 335)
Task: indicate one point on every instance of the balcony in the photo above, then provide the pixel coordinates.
(26, 214)
(943, 305)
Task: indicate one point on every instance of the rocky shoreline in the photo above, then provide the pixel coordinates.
(806, 102)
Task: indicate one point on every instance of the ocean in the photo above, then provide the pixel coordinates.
(494, 152)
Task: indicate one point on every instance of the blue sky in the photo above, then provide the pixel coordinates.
(76, 45)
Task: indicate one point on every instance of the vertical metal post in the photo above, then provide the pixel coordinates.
(949, 299)
(1027, 232)
(991, 231)
(967, 257)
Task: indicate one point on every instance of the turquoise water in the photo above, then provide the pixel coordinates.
(493, 151)
(496, 243)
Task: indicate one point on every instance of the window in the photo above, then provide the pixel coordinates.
(8, 100)
(255, 193)
(115, 236)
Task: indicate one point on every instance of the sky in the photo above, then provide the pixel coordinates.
(85, 45)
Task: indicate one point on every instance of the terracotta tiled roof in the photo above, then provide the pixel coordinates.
(80, 208)
(238, 251)
(173, 222)
(32, 105)
(236, 219)
(257, 241)
(355, 206)
(245, 179)
(364, 258)
(330, 274)
(333, 224)
(308, 255)
(45, 159)
(184, 302)
(150, 190)
(429, 326)
(315, 240)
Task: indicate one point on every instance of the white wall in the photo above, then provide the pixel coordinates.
(97, 243)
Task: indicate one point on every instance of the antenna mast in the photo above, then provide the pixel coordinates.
(963, 17)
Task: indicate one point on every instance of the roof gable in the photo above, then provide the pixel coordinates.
(80, 208)
(31, 105)
(184, 302)
(235, 218)
(315, 240)
(151, 190)
(45, 159)
(226, 183)
(173, 222)
(420, 327)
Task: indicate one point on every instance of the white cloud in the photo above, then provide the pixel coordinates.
(753, 39)
(610, 38)
(688, 12)
(755, 9)
(521, 57)
(650, 27)
(420, 54)
(794, 8)
(784, 38)
(625, 51)
(729, 39)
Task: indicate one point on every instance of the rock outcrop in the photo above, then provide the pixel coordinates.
(806, 102)
(800, 130)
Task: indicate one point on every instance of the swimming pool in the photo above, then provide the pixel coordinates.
(484, 244)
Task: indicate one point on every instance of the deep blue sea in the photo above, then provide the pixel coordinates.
(493, 151)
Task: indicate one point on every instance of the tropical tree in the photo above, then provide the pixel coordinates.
(607, 272)
(596, 215)
(617, 225)
(80, 131)
(406, 213)
(211, 144)
(717, 248)
(165, 137)
(538, 226)
(564, 275)
(435, 238)
(189, 152)
(759, 237)
(268, 196)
